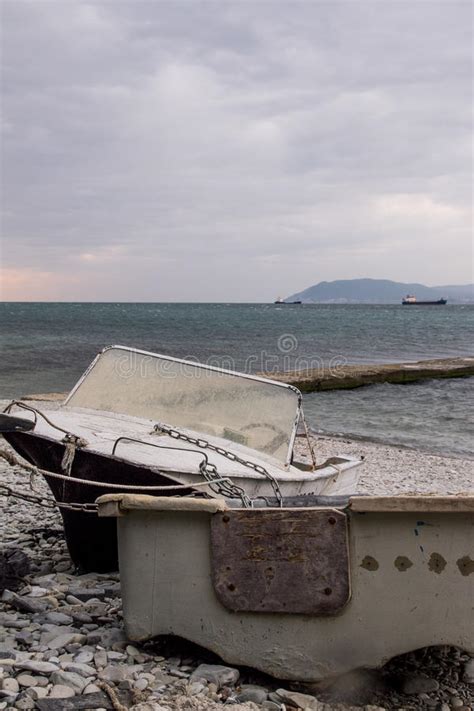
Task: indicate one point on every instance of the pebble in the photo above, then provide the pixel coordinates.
(63, 678)
(61, 691)
(118, 672)
(271, 706)
(468, 674)
(37, 666)
(215, 673)
(100, 658)
(419, 685)
(256, 694)
(82, 669)
(91, 689)
(58, 618)
(26, 680)
(37, 692)
(10, 684)
(300, 701)
(63, 640)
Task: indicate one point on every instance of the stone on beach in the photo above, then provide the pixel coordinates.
(74, 681)
(418, 685)
(118, 672)
(298, 700)
(36, 666)
(14, 565)
(215, 673)
(60, 691)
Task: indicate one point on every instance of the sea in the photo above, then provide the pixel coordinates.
(45, 347)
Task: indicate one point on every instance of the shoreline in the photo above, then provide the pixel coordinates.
(392, 469)
(338, 436)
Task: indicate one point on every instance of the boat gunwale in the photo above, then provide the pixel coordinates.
(294, 474)
(462, 503)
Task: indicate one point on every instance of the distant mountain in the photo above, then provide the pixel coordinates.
(379, 291)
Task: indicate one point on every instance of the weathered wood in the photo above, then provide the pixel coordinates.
(87, 701)
(424, 503)
(343, 377)
(281, 561)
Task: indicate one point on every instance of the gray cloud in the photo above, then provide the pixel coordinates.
(209, 151)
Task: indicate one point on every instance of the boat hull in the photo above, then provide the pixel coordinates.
(91, 541)
(440, 302)
(407, 561)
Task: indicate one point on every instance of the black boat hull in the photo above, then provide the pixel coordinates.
(92, 541)
(440, 302)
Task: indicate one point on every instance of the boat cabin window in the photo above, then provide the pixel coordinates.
(255, 413)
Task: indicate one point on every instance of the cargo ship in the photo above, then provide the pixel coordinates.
(410, 300)
(282, 301)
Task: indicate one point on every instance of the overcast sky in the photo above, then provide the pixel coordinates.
(223, 151)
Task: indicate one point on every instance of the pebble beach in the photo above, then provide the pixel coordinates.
(62, 643)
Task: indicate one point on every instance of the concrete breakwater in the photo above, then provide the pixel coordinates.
(343, 377)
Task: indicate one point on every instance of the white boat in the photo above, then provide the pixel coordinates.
(139, 419)
(302, 593)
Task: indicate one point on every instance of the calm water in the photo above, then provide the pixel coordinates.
(45, 347)
(435, 415)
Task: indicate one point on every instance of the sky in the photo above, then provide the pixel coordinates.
(233, 151)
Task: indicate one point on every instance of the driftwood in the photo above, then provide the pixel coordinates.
(98, 700)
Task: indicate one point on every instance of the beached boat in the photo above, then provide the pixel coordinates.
(306, 591)
(140, 421)
(410, 300)
(289, 303)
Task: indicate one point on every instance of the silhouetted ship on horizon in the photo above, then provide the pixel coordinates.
(411, 300)
(282, 301)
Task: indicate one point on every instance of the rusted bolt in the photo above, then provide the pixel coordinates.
(226, 518)
(331, 520)
(231, 587)
(327, 591)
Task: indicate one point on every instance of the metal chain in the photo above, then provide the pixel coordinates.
(204, 444)
(41, 500)
(86, 508)
(46, 501)
(223, 487)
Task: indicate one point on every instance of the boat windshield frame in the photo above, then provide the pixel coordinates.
(298, 415)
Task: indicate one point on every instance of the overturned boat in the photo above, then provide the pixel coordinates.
(140, 422)
(305, 591)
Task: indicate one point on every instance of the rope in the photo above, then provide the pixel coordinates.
(71, 443)
(112, 694)
(15, 461)
(30, 408)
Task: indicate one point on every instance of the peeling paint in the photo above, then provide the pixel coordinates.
(402, 563)
(465, 565)
(436, 563)
(369, 563)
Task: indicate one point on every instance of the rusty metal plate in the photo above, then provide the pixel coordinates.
(290, 561)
